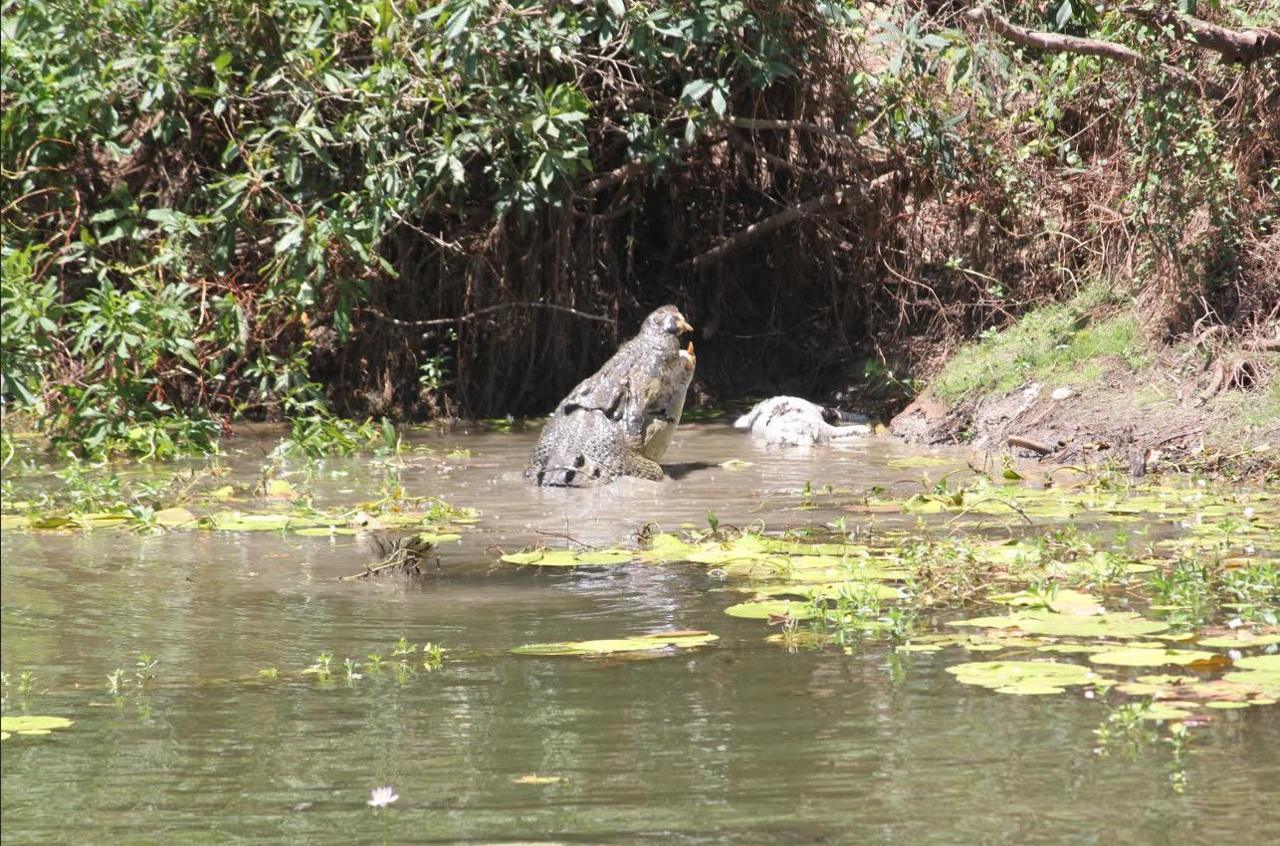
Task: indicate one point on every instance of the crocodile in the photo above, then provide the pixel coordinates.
(620, 420)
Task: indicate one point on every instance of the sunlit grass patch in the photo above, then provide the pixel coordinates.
(1063, 341)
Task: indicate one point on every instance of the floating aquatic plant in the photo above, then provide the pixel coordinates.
(569, 557)
(1116, 624)
(1151, 657)
(1023, 677)
(31, 726)
(655, 641)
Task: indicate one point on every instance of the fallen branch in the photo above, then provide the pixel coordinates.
(1027, 443)
(1055, 43)
(1261, 344)
(1234, 45)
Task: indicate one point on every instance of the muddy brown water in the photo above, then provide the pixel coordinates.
(737, 742)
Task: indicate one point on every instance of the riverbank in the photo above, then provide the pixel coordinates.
(1080, 382)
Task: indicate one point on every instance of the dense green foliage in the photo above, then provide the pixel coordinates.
(271, 208)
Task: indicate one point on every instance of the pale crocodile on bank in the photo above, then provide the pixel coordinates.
(619, 421)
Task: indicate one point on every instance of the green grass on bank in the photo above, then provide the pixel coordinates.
(1071, 342)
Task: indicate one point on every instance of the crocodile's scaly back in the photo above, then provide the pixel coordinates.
(584, 448)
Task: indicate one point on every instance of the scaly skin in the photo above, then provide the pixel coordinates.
(618, 421)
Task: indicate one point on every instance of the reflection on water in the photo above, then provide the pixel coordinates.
(737, 742)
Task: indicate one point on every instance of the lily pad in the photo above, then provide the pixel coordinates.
(1149, 657)
(1265, 663)
(765, 609)
(235, 521)
(1268, 681)
(569, 558)
(1063, 601)
(1070, 648)
(637, 643)
(31, 726)
(1023, 677)
(1242, 641)
(326, 531)
(280, 489)
(1118, 624)
(1162, 711)
(172, 517)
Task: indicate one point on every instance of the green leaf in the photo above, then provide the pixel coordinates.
(718, 104)
(696, 90)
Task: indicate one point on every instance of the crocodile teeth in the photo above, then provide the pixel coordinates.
(689, 349)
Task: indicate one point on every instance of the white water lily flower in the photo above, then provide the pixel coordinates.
(1235, 623)
(383, 796)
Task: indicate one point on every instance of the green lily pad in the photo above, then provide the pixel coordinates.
(1063, 601)
(1168, 678)
(637, 643)
(1268, 681)
(1242, 641)
(176, 516)
(1265, 663)
(569, 558)
(1023, 677)
(31, 726)
(1118, 624)
(1161, 711)
(765, 609)
(1149, 657)
(279, 489)
(1224, 704)
(235, 521)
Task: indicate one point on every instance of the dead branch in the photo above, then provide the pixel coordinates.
(472, 315)
(1055, 43)
(789, 215)
(1263, 344)
(615, 177)
(769, 224)
(1027, 443)
(1234, 45)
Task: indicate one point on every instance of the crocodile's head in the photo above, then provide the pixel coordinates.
(666, 321)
